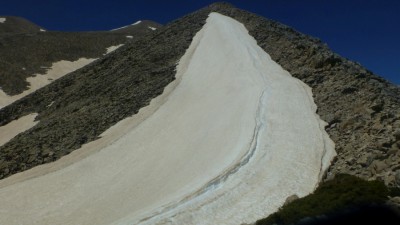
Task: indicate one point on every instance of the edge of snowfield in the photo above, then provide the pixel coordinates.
(226, 143)
(57, 70)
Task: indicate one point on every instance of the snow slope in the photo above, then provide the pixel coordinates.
(226, 143)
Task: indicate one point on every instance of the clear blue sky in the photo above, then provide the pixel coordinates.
(366, 31)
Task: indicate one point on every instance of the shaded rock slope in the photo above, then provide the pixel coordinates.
(362, 109)
(15, 25)
(28, 51)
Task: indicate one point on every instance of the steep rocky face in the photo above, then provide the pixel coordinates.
(362, 110)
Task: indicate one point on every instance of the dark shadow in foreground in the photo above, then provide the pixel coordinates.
(361, 215)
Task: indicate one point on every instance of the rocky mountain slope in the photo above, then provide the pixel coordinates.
(14, 25)
(46, 48)
(362, 109)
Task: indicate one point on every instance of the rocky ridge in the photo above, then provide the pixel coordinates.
(16, 25)
(46, 48)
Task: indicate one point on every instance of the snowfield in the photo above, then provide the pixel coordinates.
(2, 20)
(226, 143)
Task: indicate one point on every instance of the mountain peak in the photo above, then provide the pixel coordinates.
(218, 5)
(14, 24)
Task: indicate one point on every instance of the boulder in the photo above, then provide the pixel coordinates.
(378, 166)
(291, 199)
(397, 178)
(396, 134)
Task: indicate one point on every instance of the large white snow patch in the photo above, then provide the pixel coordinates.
(2, 20)
(226, 143)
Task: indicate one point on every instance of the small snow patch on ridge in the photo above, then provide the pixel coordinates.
(49, 105)
(153, 28)
(113, 48)
(42, 30)
(136, 23)
(119, 28)
(2, 20)
(129, 36)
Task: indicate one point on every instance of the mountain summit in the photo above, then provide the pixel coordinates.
(17, 25)
(217, 117)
